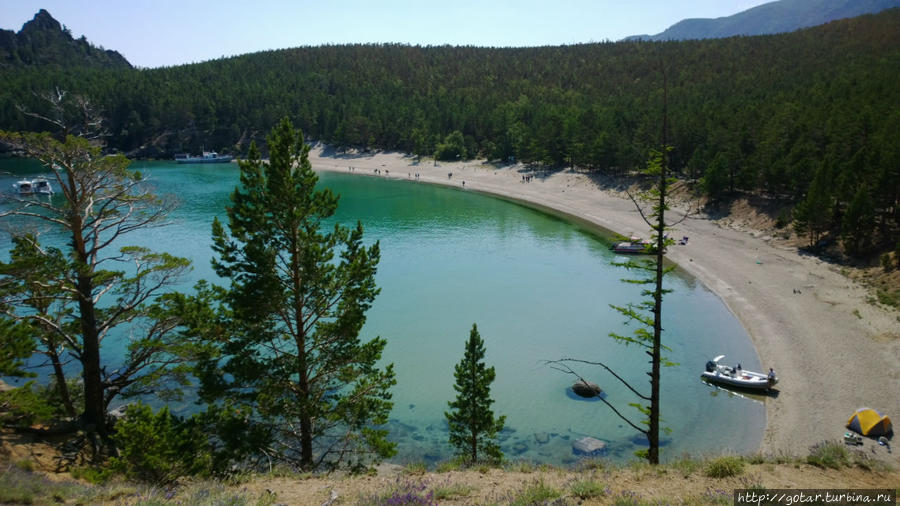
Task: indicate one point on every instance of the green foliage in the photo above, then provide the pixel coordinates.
(889, 297)
(774, 108)
(158, 447)
(715, 181)
(588, 489)
(286, 331)
(73, 298)
(453, 148)
(30, 404)
(829, 454)
(16, 345)
(536, 493)
(473, 428)
(812, 216)
(452, 491)
(859, 223)
(22, 486)
(724, 467)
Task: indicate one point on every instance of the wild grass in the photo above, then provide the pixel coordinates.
(415, 469)
(830, 454)
(588, 489)
(202, 494)
(404, 491)
(685, 465)
(22, 486)
(452, 491)
(724, 467)
(536, 493)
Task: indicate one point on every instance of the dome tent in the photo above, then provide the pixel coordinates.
(869, 422)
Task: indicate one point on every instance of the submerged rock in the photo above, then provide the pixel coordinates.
(586, 389)
(589, 447)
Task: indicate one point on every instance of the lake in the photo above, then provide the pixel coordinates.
(538, 286)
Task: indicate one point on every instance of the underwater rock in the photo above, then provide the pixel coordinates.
(589, 447)
(541, 438)
(519, 448)
(586, 389)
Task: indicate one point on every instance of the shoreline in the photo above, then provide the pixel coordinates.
(833, 351)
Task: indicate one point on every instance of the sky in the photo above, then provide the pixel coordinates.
(156, 33)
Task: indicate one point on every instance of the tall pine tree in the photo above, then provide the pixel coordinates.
(473, 428)
(289, 344)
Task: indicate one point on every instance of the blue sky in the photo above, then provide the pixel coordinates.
(154, 33)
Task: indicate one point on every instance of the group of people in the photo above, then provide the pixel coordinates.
(527, 179)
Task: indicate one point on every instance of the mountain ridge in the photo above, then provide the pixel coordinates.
(44, 41)
(781, 16)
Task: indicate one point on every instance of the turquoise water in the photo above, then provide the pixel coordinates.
(539, 288)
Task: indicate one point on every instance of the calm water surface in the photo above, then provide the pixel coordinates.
(539, 289)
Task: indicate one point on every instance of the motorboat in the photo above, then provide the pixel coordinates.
(42, 185)
(630, 248)
(23, 187)
(39, 186)
(737, 377)
(206, 157)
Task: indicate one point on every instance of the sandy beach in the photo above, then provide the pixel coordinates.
(833, 351)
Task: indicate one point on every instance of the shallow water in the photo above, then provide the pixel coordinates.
(539, 289)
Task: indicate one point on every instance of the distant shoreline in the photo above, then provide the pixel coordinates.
(833, 351)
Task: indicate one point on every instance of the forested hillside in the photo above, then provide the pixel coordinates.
(767, 114)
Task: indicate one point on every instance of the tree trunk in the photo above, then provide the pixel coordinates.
(94, 419)
(61, 384)
(94, 406)
(306, 419)
(653, 433)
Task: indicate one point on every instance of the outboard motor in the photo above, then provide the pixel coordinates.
(710, 366)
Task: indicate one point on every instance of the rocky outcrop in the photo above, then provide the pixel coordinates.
(43, 41)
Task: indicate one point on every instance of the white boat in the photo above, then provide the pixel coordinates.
(42, 186)
(206, 157)
(23, 187)
(737, 377)
(29, 187)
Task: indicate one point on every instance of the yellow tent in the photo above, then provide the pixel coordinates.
(869, 422)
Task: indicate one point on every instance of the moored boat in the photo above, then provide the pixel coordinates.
(42, 185)
(630, 247)
(206, 157)
(737, 377)
(23, 187)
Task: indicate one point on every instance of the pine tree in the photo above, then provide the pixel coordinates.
(473, 428)
(859, 223)
(101, 204)
(289, 344)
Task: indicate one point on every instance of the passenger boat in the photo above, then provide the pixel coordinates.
(206, 157)
(42, 186)
(29, 187)
(23, 187)
(737, 377)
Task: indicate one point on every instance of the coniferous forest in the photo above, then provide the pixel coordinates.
(809, 117)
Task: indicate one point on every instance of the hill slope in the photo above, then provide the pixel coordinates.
(775, 17)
